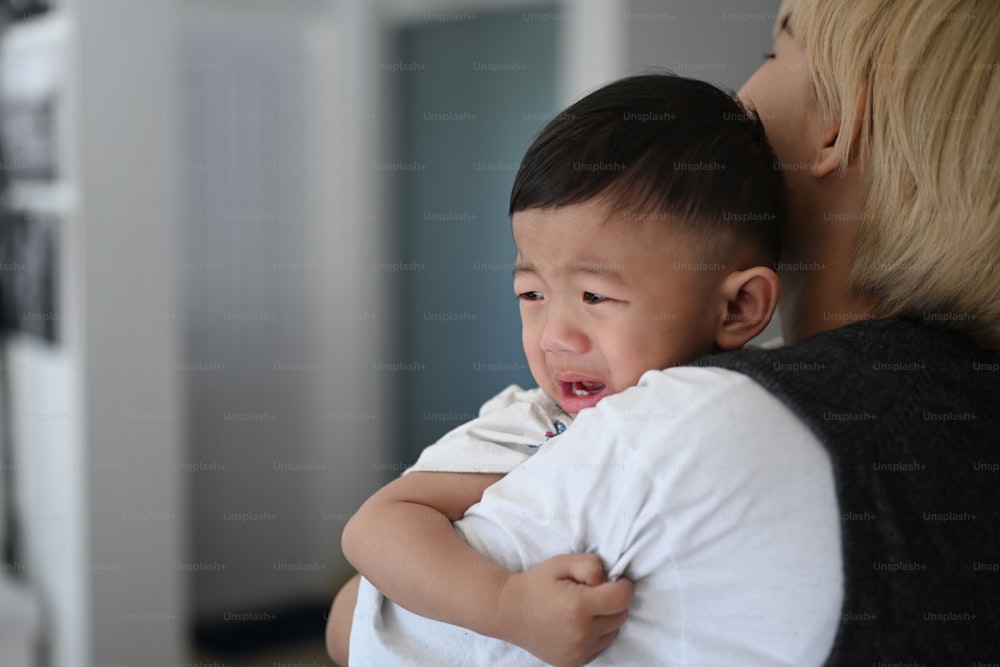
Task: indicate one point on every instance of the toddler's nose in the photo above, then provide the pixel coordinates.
(561, 335)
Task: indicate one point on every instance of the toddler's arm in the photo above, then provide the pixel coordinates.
(402, 541)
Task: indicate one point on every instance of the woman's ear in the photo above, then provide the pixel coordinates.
(830, 154)
(751, 297)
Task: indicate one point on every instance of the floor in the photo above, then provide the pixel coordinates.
(294, 638)
(301, 654)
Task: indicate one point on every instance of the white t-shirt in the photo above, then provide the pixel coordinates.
(698, 485)
(511, 427)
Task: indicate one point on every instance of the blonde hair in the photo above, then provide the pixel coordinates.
(927, 76)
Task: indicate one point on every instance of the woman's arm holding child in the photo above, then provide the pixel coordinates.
(402, 540)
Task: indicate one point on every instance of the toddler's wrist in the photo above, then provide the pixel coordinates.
(506, 607)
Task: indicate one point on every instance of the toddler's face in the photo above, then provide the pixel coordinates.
(605, 298)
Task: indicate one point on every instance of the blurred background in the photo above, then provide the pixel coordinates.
(254, 255)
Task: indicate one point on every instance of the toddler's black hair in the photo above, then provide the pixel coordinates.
(662, 147)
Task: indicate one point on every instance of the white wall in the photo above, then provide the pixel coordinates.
(285, 221)
(95, 419)
(351, 117)
(124, 167)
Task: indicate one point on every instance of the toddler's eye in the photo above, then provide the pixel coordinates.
(529, 296)
(590, 297)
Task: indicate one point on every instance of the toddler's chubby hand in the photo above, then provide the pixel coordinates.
(563, 610)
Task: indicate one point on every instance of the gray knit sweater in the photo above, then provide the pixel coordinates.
(911, 418)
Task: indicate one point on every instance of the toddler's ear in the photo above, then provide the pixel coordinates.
(751, 297)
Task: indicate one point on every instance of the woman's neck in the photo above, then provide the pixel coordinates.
(819, 301)
(815, 269)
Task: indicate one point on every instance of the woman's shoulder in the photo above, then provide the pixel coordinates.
(867, 380)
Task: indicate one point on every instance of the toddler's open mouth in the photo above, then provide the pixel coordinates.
(585, 388)
(577, 392)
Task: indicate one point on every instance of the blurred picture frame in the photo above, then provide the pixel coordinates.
(16, 10)
(30, 77)
(28, 278)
